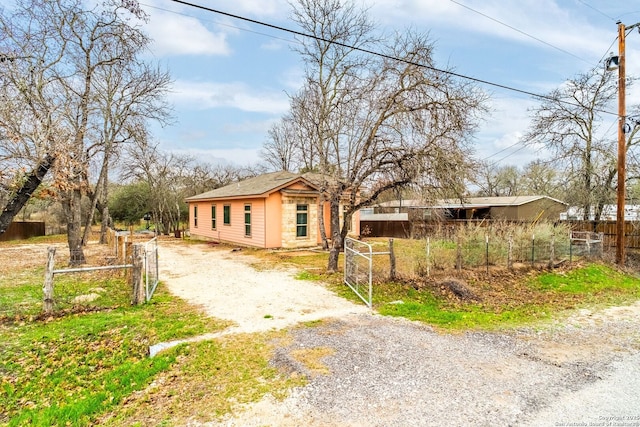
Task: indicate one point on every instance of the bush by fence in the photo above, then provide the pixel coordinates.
(503, 246)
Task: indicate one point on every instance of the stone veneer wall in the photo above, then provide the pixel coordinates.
(289, 239)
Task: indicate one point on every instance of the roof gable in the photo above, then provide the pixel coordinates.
(258, 186)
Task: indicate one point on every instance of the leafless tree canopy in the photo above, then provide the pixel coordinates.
(370, 123)
(171, 178)
(74, 88)
(572, 123)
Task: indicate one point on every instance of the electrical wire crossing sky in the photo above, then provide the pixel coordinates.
(234, 64)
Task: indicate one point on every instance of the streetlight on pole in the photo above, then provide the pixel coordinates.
(619, 63)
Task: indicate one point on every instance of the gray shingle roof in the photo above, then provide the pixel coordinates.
(259, 186)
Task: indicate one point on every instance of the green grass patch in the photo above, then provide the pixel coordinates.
(87, 362)
(535, 299)
(594, 279)
(73, 366)
(307, 275)
(470, 317)
(210, 380)
(53, 238)
(507, 299)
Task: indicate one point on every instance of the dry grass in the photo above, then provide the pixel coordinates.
(311, 358)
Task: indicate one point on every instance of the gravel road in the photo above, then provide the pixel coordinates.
(582, 370)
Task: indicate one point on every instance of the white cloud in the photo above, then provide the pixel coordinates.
(258, 127)
(233, 156)
(204, 95)
(273, 45)
(262, 7)
(175, 34)
(509, 115)
(545, 20)
(292, 78)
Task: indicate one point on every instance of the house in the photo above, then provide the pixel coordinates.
(509, 208)
(273, 210)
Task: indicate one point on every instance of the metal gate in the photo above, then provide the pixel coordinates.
(358, 263)
(151, 267)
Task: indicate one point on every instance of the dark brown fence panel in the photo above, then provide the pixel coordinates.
(22, 230)
(400, 229)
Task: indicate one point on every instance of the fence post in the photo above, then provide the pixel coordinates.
(48, 281)
(392, 261)
(428, 256)
(459, 255)
(533, 250)
(570, 248)
(138, 295)
(510, 253)
(552, 251)
(486, 252)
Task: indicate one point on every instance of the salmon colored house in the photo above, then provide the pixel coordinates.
(274, 210)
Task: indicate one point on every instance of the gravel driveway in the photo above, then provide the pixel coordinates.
(583, 370)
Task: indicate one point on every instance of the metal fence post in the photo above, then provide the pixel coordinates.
(533, 249)
(392, 261)
(487, 252)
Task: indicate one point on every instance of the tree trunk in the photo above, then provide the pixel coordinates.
(336, 235)
(97, 194)
(104, 224)
(323, 230)
(22, 196)
(72, 205)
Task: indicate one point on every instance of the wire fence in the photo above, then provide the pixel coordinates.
(509, 248)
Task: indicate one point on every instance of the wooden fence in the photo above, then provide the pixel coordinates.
(23, 230)
(136, 265)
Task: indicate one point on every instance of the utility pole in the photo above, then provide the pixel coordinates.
(622, 145)
(622, 149)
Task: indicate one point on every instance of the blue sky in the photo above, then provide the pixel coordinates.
(231, 78)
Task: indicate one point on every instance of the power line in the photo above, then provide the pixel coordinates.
(520, 31)
(385, 56)
(382, 55)
(510, 154)
(504, 149)
(597, 10)
(222, 24)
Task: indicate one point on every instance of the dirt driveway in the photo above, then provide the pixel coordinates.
(392, 372)
(227, 287)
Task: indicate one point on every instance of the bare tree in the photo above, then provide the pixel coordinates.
(281, 148)
(568, 122)
(171, 178)
(541, 178)
(496, 181)
(126, 97)
(32, 129)
(376, 123)
(60, 53)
